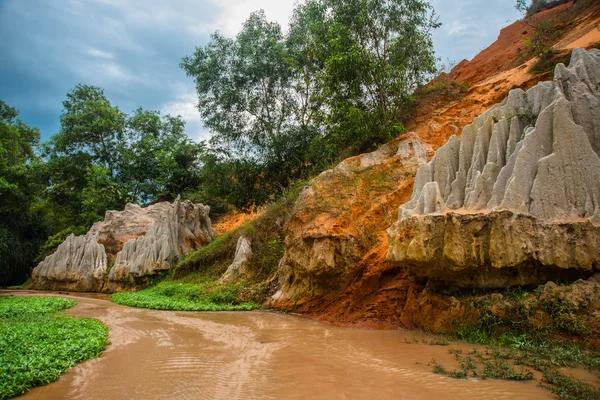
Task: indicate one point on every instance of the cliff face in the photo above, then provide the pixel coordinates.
(340, 217)
(517, 198)
(356, 284)
(135, 242)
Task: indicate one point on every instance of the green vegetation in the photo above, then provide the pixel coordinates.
(102, 159)
(266, 234)
(284, 106)
(280, 107)
(509, 364)
(530, 7)
(169, 295)
(545, 330)
(547, 32)
(37, 343)
(22, 229)
(194, 283)
(99, 160)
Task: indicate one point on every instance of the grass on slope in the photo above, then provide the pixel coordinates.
(548, 329)
(173, 295)
(37, 343)
(194, 285)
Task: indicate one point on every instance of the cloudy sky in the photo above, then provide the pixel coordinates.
(132, 48)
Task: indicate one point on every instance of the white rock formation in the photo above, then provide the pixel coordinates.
(536, 156)
(137, 241)
(537, 153)
(237, 269)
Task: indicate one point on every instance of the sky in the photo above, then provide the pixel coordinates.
(132, 48)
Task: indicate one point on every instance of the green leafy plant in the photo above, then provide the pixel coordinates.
(173, 295)
(38, 343)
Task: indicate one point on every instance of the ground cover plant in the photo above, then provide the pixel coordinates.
(545, 331)
(38, 343)
(193, 285)
(182, 296)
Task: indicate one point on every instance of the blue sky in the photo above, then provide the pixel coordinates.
(132, 48)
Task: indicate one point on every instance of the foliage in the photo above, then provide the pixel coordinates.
(194, 283)
(37, 343)
(543, 330)
(567, 388)
(102, 159)
(266, 235)
(374, 54)
(546, 31)
(508, 364)
(284, 106)
(186, 297)
(540, 45)
(22, 230)
(530, 7)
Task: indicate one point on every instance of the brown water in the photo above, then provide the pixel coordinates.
(259, 355)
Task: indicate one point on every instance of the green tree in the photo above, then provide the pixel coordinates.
(102, 159)
(283, 106)
(86, 153)
(246, 95)
(243, 86)
(374, 54)
(161, 161)
(22, 231)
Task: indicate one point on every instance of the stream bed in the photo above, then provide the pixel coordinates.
(259, 355)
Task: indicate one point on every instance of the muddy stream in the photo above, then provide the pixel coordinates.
(258, 355)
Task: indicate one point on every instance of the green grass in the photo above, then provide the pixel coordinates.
(525, 330)
(180, 296)
(266, 235)
(37, 343)
(21, 286)
(193, 285)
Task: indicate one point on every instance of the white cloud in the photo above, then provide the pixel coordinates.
(185, 106)
(455, 28)
(100, 54)
(233, 13)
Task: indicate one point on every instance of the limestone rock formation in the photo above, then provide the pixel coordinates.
(237, 269)
(136, 242)
(516, 200)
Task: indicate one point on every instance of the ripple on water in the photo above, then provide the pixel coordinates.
(258, 355)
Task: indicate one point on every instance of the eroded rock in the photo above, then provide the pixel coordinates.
(341, 216)
(516, 200)
(126, 246)
(237, 268)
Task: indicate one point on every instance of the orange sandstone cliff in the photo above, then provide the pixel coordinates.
(335, 265)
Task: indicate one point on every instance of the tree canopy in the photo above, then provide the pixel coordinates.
(21, 231)
(102, 159)
(281, 106)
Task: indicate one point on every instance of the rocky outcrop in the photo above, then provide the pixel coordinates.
(237, 268)
(516, 200)
(126, 246)
(339, 218)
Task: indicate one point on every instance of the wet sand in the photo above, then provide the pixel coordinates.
(258, 355)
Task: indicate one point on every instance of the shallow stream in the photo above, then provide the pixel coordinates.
(259, 355)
